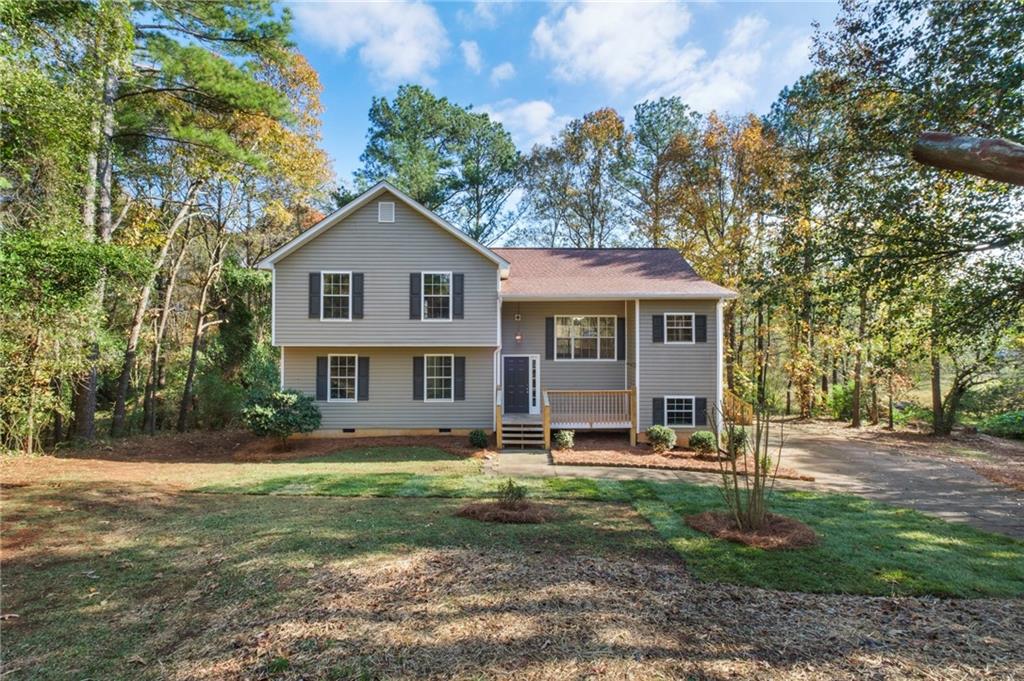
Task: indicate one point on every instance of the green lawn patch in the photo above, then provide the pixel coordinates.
(865, 548)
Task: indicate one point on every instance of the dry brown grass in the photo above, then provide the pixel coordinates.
(779, 532)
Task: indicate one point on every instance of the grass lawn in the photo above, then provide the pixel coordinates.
(865, 548)
(354, 566)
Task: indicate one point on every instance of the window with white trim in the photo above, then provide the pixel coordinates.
(585, 337)
(439, 378)
(437, 295)
(342, 378)
(679, 412)
(679, 327)
(335, 295)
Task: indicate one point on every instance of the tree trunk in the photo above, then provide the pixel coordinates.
(138, 319)
(730, 326)
(155, 382)
(938, 423)
(186, 393)
(858, 365)
(891, 419)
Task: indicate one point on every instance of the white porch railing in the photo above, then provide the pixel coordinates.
(590, 409)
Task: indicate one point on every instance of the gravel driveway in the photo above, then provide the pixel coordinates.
(949, 490)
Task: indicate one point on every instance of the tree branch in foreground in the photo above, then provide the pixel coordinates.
(989, 157)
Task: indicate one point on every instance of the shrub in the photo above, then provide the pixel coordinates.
(661, 438)
(840, 401)
(478, 438)
(565, 439)
(281, 414)
(511, 494)
(735, 440)
(1010, 424)
(703, 442)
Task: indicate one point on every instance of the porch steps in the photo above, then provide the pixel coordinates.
(522, 436)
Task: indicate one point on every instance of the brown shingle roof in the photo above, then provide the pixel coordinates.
(592, 273)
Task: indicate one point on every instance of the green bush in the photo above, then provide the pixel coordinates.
(703, 442)
(478, 438)
(218, 401)
(661, 438)
(511, 494)
(282, 414)
(840, 402)
(564, 439)
(735, 440)
(1010, 424)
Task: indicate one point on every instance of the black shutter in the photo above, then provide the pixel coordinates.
(314, 295)
(549, 338)
(460, 378)
(417, 378)
(321, 379)
(414, 295)
(458, 296)
(700, 328)
(658, 411)
(620, 331)
(357, 295)
(700, 411)
(658, 326)
(363, 378)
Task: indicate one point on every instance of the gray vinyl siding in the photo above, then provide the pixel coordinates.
(386, 253)
(562, 374)
(685, 370)
(390, 403)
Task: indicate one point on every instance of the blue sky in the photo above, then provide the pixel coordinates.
(535, 66)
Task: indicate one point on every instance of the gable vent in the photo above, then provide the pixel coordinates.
(385, 211)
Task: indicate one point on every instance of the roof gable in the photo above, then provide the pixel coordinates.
(363, 199)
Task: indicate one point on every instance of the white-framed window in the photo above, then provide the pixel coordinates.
(335, 296)
(437, 296)
(679, 327)
(385, 211)
(342, 378)
(679, 412)
(439, 378)
(585, 337)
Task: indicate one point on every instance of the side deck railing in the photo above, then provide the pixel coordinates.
(736, 409)
(590, 410)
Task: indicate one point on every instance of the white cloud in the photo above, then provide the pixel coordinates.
(529, 123)
(620, 45)
(501, 72)
(471, 55)
(643, 48)
(396, 41)
(483, 14)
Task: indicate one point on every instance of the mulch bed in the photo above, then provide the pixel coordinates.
(496, 512)
(779, 531)
(602, 449)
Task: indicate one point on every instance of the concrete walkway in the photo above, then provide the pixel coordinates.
(950, 491)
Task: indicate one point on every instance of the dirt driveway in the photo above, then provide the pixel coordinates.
(938, 486)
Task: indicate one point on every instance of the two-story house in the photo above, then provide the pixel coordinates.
(396, 322)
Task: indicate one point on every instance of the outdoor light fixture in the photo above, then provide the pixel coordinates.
(519, 337)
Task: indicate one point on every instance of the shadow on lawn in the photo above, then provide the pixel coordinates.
(211, 586)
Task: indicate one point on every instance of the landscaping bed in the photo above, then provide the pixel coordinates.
(610, 450)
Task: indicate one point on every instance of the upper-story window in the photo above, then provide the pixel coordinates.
(335, 295)
(679, 327)
(437, 295)
(585, 337)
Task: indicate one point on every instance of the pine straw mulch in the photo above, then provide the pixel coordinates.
(524, 512)
(471, 614)
(779, 532)
(998, 459)
(605, 449)
(212, 446)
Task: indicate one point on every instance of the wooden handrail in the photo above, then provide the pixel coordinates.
(736, 409)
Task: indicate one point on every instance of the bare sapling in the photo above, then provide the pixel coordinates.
(749, 465)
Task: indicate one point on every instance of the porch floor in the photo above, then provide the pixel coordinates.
(520, 418)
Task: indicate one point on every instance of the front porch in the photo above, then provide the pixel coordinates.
(566, 410)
